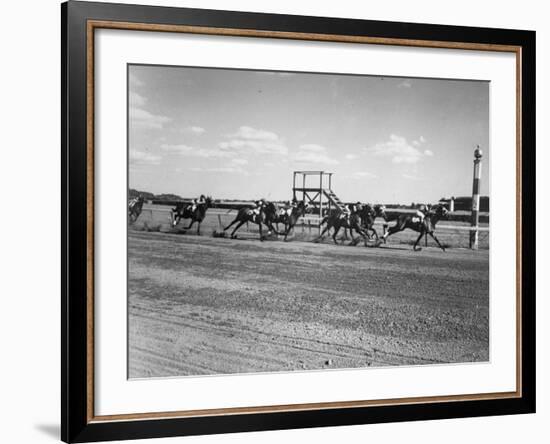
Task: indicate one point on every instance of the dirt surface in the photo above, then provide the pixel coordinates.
(204, 305)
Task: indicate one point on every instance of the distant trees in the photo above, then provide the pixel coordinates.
(170, 197)
(150, 196)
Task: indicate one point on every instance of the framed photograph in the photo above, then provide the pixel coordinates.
(276, 221)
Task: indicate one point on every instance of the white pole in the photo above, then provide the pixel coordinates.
(474, 233)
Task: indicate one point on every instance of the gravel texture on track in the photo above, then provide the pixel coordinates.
(204, 305)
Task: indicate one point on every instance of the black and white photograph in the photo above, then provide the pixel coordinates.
(301, 221)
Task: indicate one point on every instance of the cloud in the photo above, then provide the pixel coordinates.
(228, 169)
(399, 150)
(136, 100)
(254, 141)
(249, 133)
(312, 153)
(190, 151)
(363, 175)
(419, 141)
(139, 118)
(411, 177)
(133, 80)
(405, 84)
(239, 161)
(351, 156)
(197, 129)
(143, 158)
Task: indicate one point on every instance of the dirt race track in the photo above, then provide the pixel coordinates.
(204, 305)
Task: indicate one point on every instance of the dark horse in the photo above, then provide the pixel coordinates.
(186, 211)
(134, 208)
(263, 214)
(414, 222)
(369, 214)
(291, 216)
(338, 220)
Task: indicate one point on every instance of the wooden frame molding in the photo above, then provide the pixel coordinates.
(80, 21)
(96, 24)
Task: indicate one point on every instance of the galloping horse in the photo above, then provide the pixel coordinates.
(369, 214)
(339, 220)
(290, 218)
(186, 211)
(134, 208)
(414, 222)
(259, 216)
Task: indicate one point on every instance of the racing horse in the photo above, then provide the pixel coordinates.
(414, 222)
(291, 216)
(134, 208)
(338, 220)
(369, 214)
(186, 211)
(263, 214)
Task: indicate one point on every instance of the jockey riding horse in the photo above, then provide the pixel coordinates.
(350, 220)
(134, 208)
(424, 226)
(195, 211)
(261, 213)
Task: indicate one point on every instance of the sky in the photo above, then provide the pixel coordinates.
(239, 134)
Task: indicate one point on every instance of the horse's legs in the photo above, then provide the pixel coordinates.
(261, 232)
(234, 221)
(392, 230)
(336, 229)
(198, 229)
(190, 225)
(422, 233)
(436, 240)
(345, 237)
(374, 232)
(322, 233)
(363, 233)
(236, 228)
(287, 230)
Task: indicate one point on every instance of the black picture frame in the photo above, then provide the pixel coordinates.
(76, 423)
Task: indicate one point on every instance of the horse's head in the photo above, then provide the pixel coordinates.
(440, 211)
(380, 210)
(269, 208)
(301, 207)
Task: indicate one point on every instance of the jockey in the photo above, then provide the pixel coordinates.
(196, 202)
(257, 206)
(421, 212)
(133, 202)
(346, 212)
